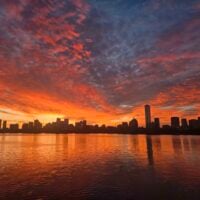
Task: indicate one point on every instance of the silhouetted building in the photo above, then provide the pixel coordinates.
(84, 123)
(184, 123)
(193, 124)
(148, 116)
(199, 122)
(31, 126)
(66, 122)
(58, 120)
(175, 122)
(152, 125)
(14, 127)
(25, 127)
(103, 126)
(71, 127)
(77, 124)
(37, 125)
(123, 127)
(4, 125)
(133, 124)
(166, 127)
(156, 123)
(63, 126)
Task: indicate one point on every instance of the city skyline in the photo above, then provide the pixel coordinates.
(99, 60)
(177, 125)
(147, 118)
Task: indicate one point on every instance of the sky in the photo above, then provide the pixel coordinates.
(99, 60)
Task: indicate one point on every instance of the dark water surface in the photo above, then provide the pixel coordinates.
(99, 166)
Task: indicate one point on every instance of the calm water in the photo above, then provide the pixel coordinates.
(84, 167)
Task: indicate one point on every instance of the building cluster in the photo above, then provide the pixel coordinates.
(177, 124)
(63, 126)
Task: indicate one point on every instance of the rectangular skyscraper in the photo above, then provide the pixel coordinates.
(4, 125)
(148, 116)
(175, 122)
(184, 123)
(156, 123)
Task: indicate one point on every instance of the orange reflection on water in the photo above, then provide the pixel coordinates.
(43, 157)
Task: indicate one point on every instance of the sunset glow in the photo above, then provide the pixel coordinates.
(99, 60)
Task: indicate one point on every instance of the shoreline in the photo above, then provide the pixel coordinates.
(101, 133)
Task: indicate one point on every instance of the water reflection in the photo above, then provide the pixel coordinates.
(149, 150)
(92, 164)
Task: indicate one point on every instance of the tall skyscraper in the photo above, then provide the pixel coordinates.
(175, 122)
(148, 116)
